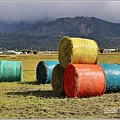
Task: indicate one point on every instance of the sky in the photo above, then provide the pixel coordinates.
(38, 10)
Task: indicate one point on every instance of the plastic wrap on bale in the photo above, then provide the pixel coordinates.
(11, 71)
(57, 79)
(77, 51)
(112, 73)
(84, 80)
(44, 71)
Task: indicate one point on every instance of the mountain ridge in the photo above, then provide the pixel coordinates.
(47, 35)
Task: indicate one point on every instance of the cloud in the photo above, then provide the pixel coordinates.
(38, 10)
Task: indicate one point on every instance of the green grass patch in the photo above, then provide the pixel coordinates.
(109, 58)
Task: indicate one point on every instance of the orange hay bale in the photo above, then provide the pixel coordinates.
(84, 80)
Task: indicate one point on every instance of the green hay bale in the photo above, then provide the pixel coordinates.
(57, 79)
(77, 51)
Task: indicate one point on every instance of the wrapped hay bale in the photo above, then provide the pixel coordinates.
(11, 71)
(112, 73)
(57, 79)
(44, 71)
(84, 80)
(77, 51)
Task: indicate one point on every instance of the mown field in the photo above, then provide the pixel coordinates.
(28, 100)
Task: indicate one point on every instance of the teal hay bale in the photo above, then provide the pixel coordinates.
(112, 73)
(57, 79)
(44, 71)
(11, 71)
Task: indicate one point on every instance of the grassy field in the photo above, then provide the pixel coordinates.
(28, 100)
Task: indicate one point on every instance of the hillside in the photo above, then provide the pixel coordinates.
(7, 27)
(47, 35)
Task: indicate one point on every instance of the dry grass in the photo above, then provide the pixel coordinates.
(29, 100)
(110, 58)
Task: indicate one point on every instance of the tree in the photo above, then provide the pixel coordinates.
(35, 52)
(118, 49)
(101, 50)
(4, 51)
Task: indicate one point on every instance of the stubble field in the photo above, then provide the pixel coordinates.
(28, 100)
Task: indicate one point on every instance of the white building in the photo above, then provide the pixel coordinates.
(10, 52)
(1, 52)
(108, 50)
(18, 53)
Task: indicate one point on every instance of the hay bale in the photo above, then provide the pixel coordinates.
(41, 72)
(112, 73)
(11, 71)
(84, 80)
(44, 71)
(77, 51)
(57, 79)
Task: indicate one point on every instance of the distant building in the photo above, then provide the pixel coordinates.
(108, 50)
(18, 53)
(44, 52)
(1, 52)
(10, 52)
(24, 52)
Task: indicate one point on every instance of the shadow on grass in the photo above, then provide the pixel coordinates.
(39, 93)
(30, 83)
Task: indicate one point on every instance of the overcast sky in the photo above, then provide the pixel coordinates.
(38, 10)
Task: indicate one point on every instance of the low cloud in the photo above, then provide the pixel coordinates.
(39, 10)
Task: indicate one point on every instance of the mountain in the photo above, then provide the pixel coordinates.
(6, 27)
(47, 35)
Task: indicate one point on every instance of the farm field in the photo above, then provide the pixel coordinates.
(26, 99)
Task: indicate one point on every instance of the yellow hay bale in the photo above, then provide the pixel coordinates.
(77, 51)
(57, 79)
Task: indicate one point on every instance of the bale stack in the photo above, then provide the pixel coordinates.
(79, 74)
(44, 71)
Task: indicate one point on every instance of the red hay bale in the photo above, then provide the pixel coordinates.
(84, 80)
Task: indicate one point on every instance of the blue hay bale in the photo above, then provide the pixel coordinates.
(44, 71)
(112, 73)
(11, 71)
